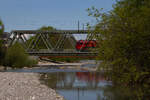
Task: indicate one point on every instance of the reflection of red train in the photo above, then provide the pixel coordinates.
(90, 76)
(84, 44)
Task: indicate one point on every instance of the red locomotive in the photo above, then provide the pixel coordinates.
(83, 45)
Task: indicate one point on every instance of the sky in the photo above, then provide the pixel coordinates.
(61, 14)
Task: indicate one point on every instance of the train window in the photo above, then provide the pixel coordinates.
(81, 43)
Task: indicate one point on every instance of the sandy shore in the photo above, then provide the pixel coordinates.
(62, 63)
(65, 65)
(24, 86)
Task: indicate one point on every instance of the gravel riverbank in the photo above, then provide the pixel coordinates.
(24, 86)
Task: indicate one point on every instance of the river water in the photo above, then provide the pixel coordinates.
(76, 84)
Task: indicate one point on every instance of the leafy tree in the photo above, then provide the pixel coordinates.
(16, 57)
(2, 49)
(125, 43)
(47, 28)
(1, 27)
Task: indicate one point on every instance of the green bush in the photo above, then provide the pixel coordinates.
(16, 57)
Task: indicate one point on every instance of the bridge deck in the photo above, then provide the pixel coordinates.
(52, 32)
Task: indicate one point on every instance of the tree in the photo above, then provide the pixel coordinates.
(47, 28)
(16, 57)
(1, 27)
(125, 43)
(2, 49)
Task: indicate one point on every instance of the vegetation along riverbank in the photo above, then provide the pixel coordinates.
(124, 44)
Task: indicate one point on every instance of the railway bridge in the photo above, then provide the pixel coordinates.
(56, 43)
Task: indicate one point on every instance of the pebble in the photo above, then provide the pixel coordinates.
(25, 86)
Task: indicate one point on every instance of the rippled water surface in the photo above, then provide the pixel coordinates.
(75, 84)
(72, 84)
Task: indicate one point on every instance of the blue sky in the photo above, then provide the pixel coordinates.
(62, 14)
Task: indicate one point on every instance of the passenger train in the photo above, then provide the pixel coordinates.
(83, 45)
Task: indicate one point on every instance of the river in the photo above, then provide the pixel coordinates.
(76, 84)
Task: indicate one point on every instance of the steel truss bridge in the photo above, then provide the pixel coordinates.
(51, 49)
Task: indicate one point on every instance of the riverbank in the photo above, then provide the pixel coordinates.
(44, 63)
(24, 86)
(60, 65)
(67, 65)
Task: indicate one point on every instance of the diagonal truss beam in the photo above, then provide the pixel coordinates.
(13, 39)
(72, 40)
(35, 42)
(45, 38)
(16, 38)
(60, 42)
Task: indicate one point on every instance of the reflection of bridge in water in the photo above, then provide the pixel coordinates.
(57, 49)
(75, 81)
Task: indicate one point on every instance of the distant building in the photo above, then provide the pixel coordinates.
(5, 37)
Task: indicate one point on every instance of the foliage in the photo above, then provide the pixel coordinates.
(47, 28)
(2, 52)
(2, 49)
(16, 57)
(1, 27)
(125, 43)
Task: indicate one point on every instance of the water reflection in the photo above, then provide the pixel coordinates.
(81, 85)
(77, 85)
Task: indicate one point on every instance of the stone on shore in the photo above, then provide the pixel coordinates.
(25, 86)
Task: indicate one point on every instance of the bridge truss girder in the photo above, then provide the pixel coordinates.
(42, 37)
(51, 49)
